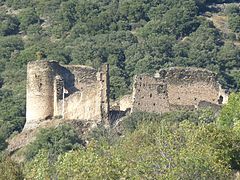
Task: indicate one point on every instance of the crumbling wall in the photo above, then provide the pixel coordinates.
(150, 94)
(70, 92)
(125, 103)
(90, 101)
(83, 105)
(176, 89)
(84, 76)
(104, 80)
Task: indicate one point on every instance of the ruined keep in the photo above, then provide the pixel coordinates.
(176, 89)
(58, 94)
(69, 92)
(80, 92)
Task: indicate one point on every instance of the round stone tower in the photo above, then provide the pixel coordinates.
(40, 92)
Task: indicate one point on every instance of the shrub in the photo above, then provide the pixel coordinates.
(155, 150)
(55, 141)
(9, 169)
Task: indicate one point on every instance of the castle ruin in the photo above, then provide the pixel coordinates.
(59, 94)
(69, 92)
(176, 88)
(81, 92)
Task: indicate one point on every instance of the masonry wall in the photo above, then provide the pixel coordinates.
(90, 100)
(70, 92)
(125, 103)
(175, 89)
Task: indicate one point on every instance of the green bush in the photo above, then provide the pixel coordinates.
(155, 150)
(9, 25)
(55, 141)
(132, 122)
(230, 114)
(9, 169)
(234, 23)
(232, 9)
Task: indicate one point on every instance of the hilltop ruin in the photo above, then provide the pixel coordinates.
(68, 92)
(58, 94)
(176, 88)
(81, 92)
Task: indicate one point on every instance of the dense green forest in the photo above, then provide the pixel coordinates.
(133, 36)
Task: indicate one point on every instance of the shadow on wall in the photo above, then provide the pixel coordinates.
(115, 115)
(68, 79)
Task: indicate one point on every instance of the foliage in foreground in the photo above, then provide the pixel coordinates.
(230, 114)
(9, 169)
(55, 141)
(156, 150)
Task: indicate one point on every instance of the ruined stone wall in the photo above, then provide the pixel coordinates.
(150, 94)
(84, 76)
(70, 92)
(84, 105)
(90, 101)
(125, 103)
(104, 80)
(176, 89)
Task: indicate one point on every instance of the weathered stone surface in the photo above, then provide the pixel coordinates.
(81, 92)
(70, 92)
(175, 89)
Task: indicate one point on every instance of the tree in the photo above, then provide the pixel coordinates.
(9, 169)
(156, 150)
(9, 25)
(234, 23)
(229, 56)
(55, 141)
(230, 113)
(27, 17)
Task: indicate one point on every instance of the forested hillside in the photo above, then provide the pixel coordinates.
(133, 36)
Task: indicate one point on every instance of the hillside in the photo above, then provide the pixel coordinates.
(133, 36)
(223, 17)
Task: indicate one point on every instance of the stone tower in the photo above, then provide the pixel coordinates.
(69, 92)
(40, 95)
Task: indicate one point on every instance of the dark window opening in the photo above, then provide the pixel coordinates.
(139, 103)
(178, 98)
(154, 104)
(161, 89)
(40, 86)
(220, 100)
(195, 99)
(150, 95)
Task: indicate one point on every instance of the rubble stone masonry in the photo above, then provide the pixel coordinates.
(176, 89)
(69, 92)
